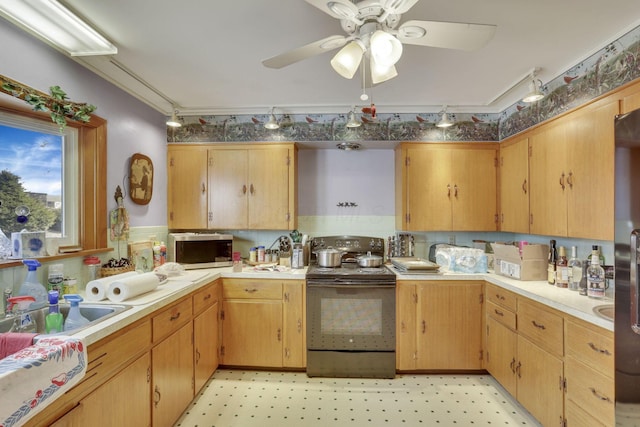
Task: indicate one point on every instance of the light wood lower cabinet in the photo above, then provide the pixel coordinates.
(206, 333)
(439, 325)
(263, 323)
(558, 367)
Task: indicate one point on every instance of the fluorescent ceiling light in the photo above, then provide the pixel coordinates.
(55, 24)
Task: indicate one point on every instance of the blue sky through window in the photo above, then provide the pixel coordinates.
(36, 157)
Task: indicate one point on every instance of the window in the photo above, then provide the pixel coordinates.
(91, 174)
(39, 170)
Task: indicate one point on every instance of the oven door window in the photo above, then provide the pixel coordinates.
(351, 318)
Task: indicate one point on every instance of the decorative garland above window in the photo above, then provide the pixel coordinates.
(59, 107)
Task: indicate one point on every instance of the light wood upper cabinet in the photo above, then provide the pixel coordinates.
(446, 187)
(252, 188)
(187, 186)
(227, 187)
(571, 172)
(514, 185)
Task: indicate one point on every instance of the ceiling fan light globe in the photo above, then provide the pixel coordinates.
(347, 60)
(385, 48)
(381, 73)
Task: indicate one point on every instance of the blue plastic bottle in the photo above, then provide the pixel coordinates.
(74, 318)
(32, 286)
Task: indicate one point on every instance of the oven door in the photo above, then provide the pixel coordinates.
(351, 317)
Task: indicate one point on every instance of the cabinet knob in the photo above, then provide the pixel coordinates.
(157, 396)
(562, 181)
(448, 190)
(203, 189)
(570, 180)
(244, 189)
(524, 186)
(455, 191)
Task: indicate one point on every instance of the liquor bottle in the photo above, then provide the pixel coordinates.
(575, 269)
(595, 276)
(551, 266)
(600, 256)
(562, 269)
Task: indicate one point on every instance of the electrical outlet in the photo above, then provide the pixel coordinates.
(452, 239)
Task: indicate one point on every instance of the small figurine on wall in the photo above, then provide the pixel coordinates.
(141, 179)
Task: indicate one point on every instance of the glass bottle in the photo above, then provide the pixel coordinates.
(562, 269)
(575, 269)
(551, 267)
(595, 277)
(582, 288)
(600, 256)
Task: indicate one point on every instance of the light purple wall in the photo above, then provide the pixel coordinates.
(133, 127)
(329, 176)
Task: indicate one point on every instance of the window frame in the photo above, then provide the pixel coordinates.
(92, 181)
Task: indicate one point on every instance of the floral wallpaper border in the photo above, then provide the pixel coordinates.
(612, 66)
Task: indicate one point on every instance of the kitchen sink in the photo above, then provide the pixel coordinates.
(606, 311)
(95, 313)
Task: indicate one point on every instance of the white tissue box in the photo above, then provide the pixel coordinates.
(28, 244)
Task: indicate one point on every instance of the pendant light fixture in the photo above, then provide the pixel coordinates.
(272, 123)
(444, 120)
(174, 122)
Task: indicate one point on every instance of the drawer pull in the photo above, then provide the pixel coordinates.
(498, 312)
(599, 350)
(175, 317)
(207, 297)
(500, 297)
(250, 291)
(599, 396)
(538, 325)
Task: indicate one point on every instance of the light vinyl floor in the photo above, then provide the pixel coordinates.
(287, 399)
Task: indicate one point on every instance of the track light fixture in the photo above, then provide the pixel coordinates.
(535, 92)
(353, 122)
(444, 120)
(272, 123)
(174, 122)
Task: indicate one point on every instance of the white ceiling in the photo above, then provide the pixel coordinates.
(205, 55)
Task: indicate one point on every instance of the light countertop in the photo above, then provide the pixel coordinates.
(563, 300)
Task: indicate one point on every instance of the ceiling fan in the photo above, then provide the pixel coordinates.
(372, 31)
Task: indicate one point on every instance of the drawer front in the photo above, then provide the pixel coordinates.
(502, 315)
(252, 289)
(205, 297)
(590, 390)
(541, 326)
(171, 319)
(591, 347)
(577, 417)
(501, 297)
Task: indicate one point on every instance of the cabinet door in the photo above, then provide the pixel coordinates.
(228, 188)
(406, 339)
(590, 178)
(294, 345)
(205, 339)
(124, 400)
(450, 325)
(187, 187)
(473, 197)
(540, 383)
(429, 188)
(501, 354)
(172, 367)
(252, 333)
(548, 174)
(514, 186)
(268, 185)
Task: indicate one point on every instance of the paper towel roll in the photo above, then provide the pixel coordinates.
(130, 287)
(96, 290)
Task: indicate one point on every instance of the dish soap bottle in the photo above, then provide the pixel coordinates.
(53, 321)
(32, 287)
(74, 318)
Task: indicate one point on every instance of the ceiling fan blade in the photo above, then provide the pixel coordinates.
(398, 6)
(339, 9)
(304, 52)
(448, 35)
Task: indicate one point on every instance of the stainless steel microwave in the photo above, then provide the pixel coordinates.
(200, 250)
